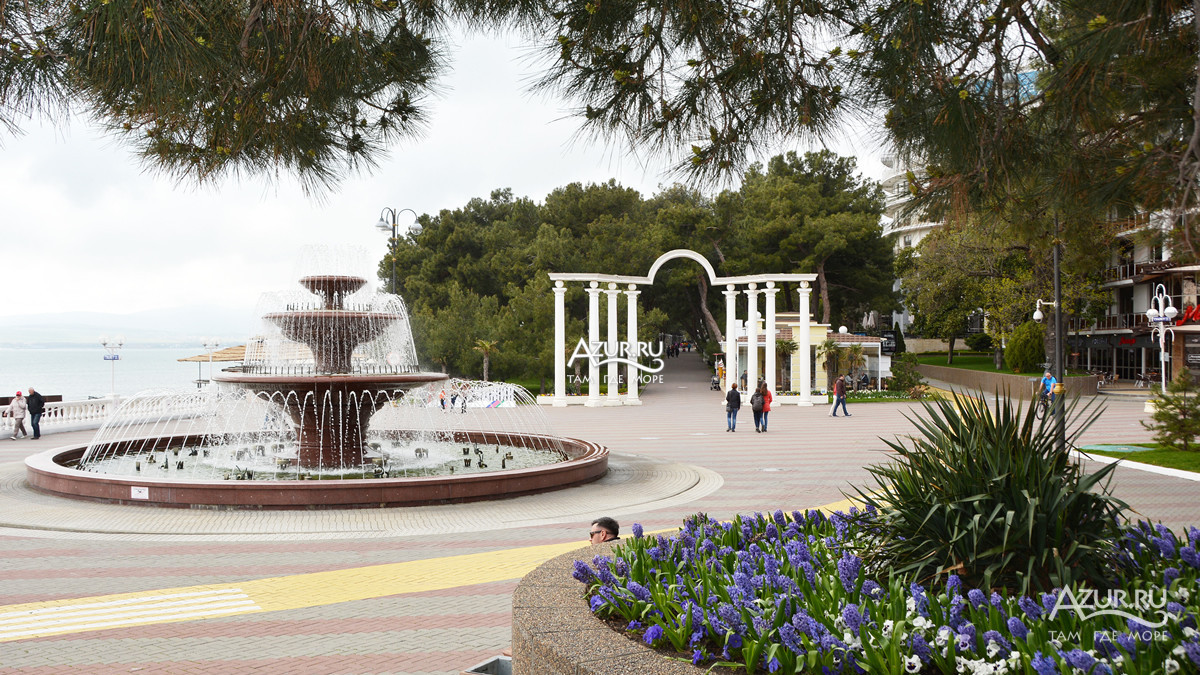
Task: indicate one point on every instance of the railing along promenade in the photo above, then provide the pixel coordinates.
(60, 417)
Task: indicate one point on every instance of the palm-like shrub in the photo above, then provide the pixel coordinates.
(988, 494)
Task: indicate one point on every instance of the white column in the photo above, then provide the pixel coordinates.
(752, 337)
(631, 297)
(804, 348)
(731, 356)
(593, 292)
(614, 396)
(560, 344)
(770, 357)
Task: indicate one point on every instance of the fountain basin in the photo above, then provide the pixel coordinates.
(53, 472)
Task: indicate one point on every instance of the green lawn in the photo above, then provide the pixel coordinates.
(1172, 459)
(974, 361)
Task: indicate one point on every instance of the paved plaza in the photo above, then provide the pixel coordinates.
(101, 588)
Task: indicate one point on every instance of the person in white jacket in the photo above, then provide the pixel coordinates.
(18, 409)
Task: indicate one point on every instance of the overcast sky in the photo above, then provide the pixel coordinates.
(84, 228)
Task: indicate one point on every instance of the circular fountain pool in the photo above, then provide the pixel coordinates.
(328, 410)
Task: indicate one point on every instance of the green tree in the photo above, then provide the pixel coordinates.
(1177, 414)
(1025, 351)
(815, 213)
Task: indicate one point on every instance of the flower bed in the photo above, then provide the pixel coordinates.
(787, 593)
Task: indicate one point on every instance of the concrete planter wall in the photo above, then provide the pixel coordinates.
(1017, 386)
(554, 632)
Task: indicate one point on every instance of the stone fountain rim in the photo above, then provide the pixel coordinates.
(45, 473)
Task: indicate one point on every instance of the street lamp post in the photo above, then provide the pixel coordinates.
(388, 221)
(210, 344)
(112, 346)
(1160, 313)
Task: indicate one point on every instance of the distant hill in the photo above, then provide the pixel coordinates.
(176, 327)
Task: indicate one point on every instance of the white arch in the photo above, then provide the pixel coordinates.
(683, 253)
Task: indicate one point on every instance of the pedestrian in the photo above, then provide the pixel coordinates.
(604, 529)
(765, 391)
(756, 407)
(743, 380)
(442, 398)
(37, 405)
(839, 396)
(733, 402)
(17, 409)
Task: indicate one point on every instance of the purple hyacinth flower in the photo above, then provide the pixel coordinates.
(634, 625)
(1030, 608)
(1077, 658)
(1192, 649)
(852, 617)
(1044, 665)
(1049, 600)
(772, 665)
(1166, 547)
(1190, 556)
(639, 591)
(872, 589)
(1170, 574)
(596, 602)
(977, 598)
(637, 530)
(790, 638)
(953, 584)
(1017, 628)
(583, 572)
(994, 637)
(1127, 643)
(697, 657)
(920, 647)
(848, 567)
(653, 634)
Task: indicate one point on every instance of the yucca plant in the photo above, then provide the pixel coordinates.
(988, 494)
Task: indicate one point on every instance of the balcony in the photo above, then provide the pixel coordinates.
(1130, 321)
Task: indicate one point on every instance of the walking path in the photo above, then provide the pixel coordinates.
(105, 589)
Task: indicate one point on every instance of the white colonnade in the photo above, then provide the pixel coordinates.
(612, 352)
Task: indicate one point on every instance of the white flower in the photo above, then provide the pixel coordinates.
(1181, 593)
(888, 626)
(1178, 651)
(920, 624)
(1057, 644)
(992, 649)
(943, 636)
(1170, 666)
(912, 664)
(1189, 632)
(911, 603)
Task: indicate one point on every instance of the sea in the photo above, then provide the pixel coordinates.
(78, 374)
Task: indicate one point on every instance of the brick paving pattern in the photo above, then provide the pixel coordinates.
(671, 458)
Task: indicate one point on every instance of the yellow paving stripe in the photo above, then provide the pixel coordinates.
(273, 594)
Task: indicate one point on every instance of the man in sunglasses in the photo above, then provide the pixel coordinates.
(604, 529)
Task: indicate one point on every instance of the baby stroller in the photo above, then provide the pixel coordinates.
(715, 385)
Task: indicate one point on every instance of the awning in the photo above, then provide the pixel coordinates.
(237, 353)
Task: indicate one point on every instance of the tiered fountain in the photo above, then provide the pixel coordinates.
(332, 406)
(338, 415)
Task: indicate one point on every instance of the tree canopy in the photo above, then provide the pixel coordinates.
(1062, 106)
(479, 272)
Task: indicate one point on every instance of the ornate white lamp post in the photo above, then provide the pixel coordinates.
(388, 221)
(210, 345)
(1161, 312)
(112, 346)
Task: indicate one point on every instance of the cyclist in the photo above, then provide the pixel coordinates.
(1048, 383)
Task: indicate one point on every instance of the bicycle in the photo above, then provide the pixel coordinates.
(1041, 407)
